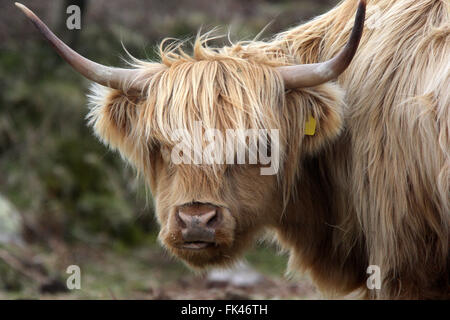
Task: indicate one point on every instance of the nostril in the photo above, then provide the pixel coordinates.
(207, 217)
(183, 219)
(213, 220)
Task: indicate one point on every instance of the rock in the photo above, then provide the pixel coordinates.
(10, 223)
(241, 275)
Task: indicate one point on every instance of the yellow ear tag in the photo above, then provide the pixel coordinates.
(310, 126)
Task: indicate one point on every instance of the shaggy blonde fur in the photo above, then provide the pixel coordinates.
(229, 88)
(379, 194)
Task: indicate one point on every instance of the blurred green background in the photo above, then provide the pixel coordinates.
(64, 198)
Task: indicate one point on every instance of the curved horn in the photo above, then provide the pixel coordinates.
(309, 75)
(115, 78)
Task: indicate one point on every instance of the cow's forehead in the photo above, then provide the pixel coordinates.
(214, 96)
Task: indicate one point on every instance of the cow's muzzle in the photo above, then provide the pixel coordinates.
(198, 223)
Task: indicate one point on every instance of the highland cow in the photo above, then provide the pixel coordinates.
(370, 186)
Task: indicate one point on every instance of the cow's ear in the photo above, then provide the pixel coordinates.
(113, 116)
(318, 115)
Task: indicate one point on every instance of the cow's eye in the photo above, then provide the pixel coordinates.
(165, 153)
(228, 171)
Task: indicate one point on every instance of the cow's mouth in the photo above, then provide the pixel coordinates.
(197, 245)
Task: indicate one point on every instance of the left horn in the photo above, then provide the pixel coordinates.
(309, 75)
(116, 78)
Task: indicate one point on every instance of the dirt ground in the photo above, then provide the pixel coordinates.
(202, 288)
(150, 273)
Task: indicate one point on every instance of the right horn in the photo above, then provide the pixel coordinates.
(116, 78)
(309, 75)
